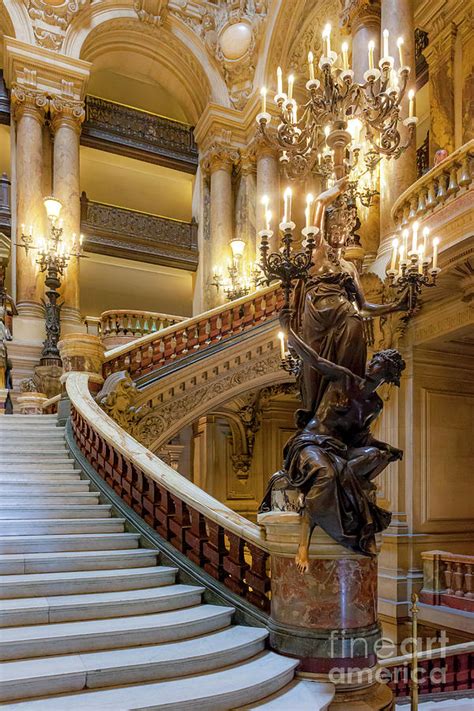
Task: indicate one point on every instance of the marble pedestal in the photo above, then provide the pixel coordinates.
(31, 403)
(327, 617)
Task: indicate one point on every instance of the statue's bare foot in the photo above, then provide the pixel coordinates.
(301, 559)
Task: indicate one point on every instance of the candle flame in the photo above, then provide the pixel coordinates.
(399, 41)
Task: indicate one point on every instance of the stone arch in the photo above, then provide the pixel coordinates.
(14, 21)
(171, 53)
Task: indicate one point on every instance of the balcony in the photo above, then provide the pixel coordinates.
(120, 232)
(139, 134)
(118, 327)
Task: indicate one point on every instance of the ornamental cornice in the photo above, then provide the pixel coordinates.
(51, 20)
(360, 12)
(219, 157)
(440, 50)
(66, 111)
(30, 101)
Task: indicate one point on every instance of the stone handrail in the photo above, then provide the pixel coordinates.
(226, 545)
(123, 325)
(444, 181)
(448, 579)
(50, 406)
(427, 654)
(190, 335)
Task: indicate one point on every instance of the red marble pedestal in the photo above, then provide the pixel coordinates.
(326, 617)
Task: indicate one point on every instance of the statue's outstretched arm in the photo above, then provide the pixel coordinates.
(366, 307)
(325, 199)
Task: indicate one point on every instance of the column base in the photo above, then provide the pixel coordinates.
(30, 309)
(31, 403)
(377, 697)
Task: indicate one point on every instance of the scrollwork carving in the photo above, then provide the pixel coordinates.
(51, 20)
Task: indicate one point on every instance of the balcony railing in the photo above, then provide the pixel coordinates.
(139, 134)
(448, 579)
(190, 335)
(120, 232)
(440, 185)
(123, 326)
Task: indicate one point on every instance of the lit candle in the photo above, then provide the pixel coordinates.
(394, 255)
(280, 80)
(291, 80)
(327, 131)
(287, 196)
(435, 252)
(263, 92)
(425, 238)
(420, 259)
(311, 65)
(400, 50)
(345, 55)
(281, 336)
(414, 239)
(411, 103)
(307, 212)
(371, 54)
(327, 38)
(265, 203)
(401, 254)
(268, 219)
(385, 43)
(405, 240)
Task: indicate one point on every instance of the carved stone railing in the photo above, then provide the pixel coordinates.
(194, 334)
(122, 326)
(139, 134)
(442, 184)
(448, 579)
(119, 232)
(227, 546)
(445, 669)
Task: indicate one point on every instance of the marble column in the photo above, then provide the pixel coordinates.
(245, 227)
(66, 118)
(440, 57)
(29, 107)
(268, 183)
(363, 21)
(396, 175)
(219, 162)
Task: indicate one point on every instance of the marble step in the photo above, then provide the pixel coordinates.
(11, 454)
(36, 461)
(78, 525)
(86, 581)
(300, 694)
(86, 498)
(17, 564)
(68, 542)
(35, 437)
(219, 690)
(44, 485)
(111, 633)
(39, 476)
(66, 467)
(93, 670)
(93, 606)
(42, 511)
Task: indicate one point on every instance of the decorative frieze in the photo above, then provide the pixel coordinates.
(51, 20)
(139, 134)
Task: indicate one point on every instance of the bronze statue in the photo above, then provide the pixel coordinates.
(333, 459)
(329, 308)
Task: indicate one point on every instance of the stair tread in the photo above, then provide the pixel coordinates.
(28, 578)
(300, 694)
(11, 557)
(252, 677)
(97, 599)
(214, 642)
(55, 630)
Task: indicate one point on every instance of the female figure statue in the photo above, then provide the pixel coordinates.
(333, 460)
(329, 310)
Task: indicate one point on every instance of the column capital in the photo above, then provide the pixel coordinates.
(29, 101)
(67, 111)
(360, 12)
(247, 161)
(219, 157)
(263, 147)
(440, 49)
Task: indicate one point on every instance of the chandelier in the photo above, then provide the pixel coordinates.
(317, 137)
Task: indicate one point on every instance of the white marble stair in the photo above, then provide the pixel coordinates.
(91, 620)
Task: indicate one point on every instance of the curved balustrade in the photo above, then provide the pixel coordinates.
(226, 545)
(158, 349)
(122, 326)
(450, 178)
(448, 580)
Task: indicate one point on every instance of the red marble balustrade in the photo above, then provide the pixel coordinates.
(154, 351)
(239, 565)
(448, 579)
(455, 672)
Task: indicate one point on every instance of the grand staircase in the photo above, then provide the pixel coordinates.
(91, 620)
